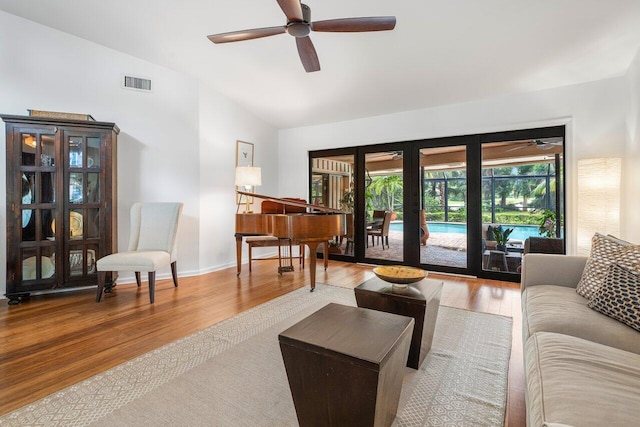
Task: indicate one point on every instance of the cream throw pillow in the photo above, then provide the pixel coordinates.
(606, 250)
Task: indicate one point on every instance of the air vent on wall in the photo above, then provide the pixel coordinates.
(136, 83)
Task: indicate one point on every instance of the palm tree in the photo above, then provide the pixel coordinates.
(456, 189)
(387, 186)
(541, 188)
(504, 188)
(524, 188)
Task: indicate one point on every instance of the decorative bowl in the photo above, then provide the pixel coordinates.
(399, 275)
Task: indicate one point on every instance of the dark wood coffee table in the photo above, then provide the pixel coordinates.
(420, 300)
(345, 365)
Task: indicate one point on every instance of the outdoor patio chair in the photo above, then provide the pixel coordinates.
(377, 219)
(382, 232)
(497, 261)
(546, 245)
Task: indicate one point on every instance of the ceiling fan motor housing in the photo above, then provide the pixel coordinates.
(298, 29)
(301, 28)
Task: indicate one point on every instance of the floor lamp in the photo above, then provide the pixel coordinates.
(598, 199)
(247, 177)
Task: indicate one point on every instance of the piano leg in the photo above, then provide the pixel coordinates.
(313, 247)
(325, 256)
(238, 253)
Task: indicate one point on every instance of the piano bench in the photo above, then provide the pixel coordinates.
(271, 241)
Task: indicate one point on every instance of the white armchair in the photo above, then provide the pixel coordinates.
(152, 245)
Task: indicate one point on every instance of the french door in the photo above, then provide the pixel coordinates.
(430, 203)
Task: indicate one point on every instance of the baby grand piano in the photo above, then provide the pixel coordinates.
(310, 228)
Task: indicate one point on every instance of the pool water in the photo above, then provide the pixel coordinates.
(520, 232)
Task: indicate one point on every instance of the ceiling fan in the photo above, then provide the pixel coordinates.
(390, 155)
(540, 144)
(384, 155)
(299, 25)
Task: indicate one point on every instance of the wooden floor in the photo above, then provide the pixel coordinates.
(51, 342)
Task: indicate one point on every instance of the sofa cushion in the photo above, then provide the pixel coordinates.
(580, 383)
(605, 250)
(619, 297)
(548, 308)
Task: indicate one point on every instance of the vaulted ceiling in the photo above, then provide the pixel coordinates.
(441, 52)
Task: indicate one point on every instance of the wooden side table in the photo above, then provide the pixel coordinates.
(420, 300)
(345, 365)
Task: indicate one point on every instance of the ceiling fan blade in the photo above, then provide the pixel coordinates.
(292, 9)
(308, 54)
(346, 25)
(256, 33)
(518, 147)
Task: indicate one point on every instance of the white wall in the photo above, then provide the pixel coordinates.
(172, 140)
(631, 167)
(594, 114)
(222, 123)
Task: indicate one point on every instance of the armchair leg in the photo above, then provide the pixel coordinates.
(152, 286)
(102, 275)
(174, 273)
(138, 279)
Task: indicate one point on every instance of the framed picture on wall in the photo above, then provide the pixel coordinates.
(244, 153)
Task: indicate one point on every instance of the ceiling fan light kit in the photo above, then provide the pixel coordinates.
(299, 25)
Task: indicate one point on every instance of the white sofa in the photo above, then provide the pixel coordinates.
(582, 368)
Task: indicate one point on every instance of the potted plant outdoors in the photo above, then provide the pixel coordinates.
(501, 237)
(547, 223)
(347, 201)
(334, 247)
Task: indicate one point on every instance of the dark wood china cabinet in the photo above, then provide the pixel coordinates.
(61, 202)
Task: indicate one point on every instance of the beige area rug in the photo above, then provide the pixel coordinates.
(232, 374)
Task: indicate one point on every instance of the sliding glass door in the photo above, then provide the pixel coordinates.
(522, 201)
(333, 186)
(384, 205)
(471, 204)
(444, 206)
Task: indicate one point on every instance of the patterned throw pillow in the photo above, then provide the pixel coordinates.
(605, 250)
(619, 297)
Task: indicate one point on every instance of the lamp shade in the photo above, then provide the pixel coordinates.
(598, 199)
(248, 176)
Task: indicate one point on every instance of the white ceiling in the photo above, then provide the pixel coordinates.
(441, 52)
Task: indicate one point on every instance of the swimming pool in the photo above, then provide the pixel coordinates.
(520, 232)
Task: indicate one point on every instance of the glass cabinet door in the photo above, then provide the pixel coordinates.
(82, 186)
(37, 177)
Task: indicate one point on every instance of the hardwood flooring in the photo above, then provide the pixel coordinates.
(53, 341)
